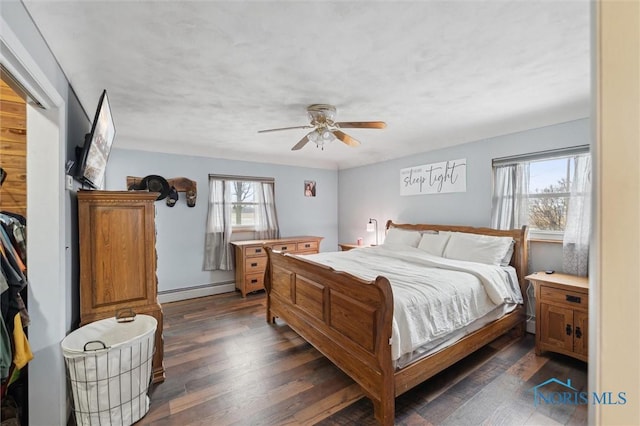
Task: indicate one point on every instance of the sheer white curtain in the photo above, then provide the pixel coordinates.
(509, 209)
(575, 259)
(218, 235)
(266, 216)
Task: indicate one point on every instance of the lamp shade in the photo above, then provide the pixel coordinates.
(372, 226)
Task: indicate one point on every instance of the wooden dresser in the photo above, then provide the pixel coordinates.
(562, 314)
(118, 259)
(251, 258)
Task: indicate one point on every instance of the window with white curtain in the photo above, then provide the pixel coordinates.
(238, 204)
(535, 190)
(550, 192)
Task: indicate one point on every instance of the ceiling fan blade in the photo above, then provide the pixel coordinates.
(300, 144)
(345, 138)
(362, 124)
(285, 128)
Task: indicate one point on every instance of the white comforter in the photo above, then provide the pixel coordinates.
(433, 296)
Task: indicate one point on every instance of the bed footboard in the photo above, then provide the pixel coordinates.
(346, 318)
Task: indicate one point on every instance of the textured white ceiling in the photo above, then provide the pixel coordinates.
(202, 77)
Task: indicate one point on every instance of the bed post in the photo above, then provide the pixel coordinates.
(271, 319)
(384, 409)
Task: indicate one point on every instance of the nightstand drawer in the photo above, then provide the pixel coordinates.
(570, 299)
(255, 265)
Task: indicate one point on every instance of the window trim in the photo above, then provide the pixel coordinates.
(540, 155)
(545, 236)
(244, 178)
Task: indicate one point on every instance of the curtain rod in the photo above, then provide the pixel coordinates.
(234, 177)
(540, 155)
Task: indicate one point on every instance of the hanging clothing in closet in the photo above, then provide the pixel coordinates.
(15, 350)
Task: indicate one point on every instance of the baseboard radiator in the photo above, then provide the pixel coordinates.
(167, 296)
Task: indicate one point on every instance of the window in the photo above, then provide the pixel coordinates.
(535, 190)
(243, 205)
(548, 196)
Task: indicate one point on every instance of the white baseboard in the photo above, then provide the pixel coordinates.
(194, 292)
(531, 326)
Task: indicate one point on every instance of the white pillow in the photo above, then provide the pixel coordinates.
(433, 243)
(477, 248)
(402, 237)
(506, 260)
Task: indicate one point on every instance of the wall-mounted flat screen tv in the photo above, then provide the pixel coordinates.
(92, 161)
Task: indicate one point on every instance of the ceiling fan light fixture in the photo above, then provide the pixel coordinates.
(314, 136)
(327, 136)
(326, 129)
(330, 115)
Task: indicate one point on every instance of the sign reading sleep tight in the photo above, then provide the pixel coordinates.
(435, 178)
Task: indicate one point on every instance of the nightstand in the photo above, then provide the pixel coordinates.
(562, 314)
(347, 247)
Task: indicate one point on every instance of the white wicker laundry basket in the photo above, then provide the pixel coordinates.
(109, 368)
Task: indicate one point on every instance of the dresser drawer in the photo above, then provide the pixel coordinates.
(307, 246)
(254, 265)
(253, 282)
(254, 251)
(284, 247)
(570, 299)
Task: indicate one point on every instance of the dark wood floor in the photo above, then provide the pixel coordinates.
(225, 365)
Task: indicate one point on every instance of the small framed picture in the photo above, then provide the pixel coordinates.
(309, 188)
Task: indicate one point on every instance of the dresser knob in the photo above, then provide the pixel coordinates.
(568, 329)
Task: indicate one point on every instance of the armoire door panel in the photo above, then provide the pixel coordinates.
(119, 251)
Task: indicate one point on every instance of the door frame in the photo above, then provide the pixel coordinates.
(48, 288)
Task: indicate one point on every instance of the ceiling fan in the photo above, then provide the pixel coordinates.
(325, 129)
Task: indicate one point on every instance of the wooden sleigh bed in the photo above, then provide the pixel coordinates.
(349, 320)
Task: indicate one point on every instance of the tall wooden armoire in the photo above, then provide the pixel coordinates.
(118, 259)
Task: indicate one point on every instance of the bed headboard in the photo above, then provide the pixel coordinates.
(520, 257)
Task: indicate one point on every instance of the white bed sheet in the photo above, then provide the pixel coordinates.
(448, 340)
(433, 297)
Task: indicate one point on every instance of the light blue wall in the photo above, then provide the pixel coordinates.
(374, 190)
(180, 229)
